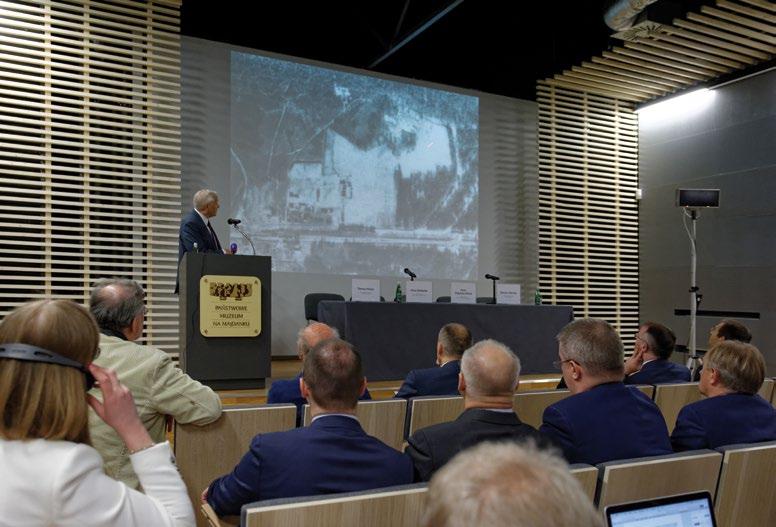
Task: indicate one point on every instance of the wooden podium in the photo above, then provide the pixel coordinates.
(224, 362)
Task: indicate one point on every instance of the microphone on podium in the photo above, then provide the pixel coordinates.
(409, 273)
(234, 222)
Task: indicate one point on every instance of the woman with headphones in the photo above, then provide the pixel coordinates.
(50, 473)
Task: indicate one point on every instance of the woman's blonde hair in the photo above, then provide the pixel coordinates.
(47, 400)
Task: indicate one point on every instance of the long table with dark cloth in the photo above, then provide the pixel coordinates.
(395, 338)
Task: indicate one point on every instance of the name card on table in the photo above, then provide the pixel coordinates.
(365, 290)
(463, 293)
(507, 293)
(418, 291)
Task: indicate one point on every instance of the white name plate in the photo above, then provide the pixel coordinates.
(463, 293)
(419, 292)
(365, 290)
(507, 293)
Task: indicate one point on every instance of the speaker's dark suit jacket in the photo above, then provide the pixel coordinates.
(724, 420)
(193, 230)
(332, 455)
(610, 421)
(659, 371)
(431, 381)
(430, 448)
(287, 391)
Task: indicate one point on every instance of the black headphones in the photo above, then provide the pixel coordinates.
(19, 351)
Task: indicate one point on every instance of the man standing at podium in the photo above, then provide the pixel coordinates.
(196, 232)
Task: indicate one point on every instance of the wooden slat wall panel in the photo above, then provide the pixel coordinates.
(588, 215)
(715, 41)
(90, 152)
(588, 149)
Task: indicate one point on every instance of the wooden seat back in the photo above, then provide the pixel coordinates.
(746, 494)
(671, 398)
(383, 419)
(204, 453)
(653, 477)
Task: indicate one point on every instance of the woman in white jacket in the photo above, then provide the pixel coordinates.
(50, 474)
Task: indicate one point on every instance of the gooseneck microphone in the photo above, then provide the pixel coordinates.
(491, 277)
(409, 273)
(234, 222)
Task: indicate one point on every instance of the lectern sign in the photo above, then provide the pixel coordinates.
(229, 306)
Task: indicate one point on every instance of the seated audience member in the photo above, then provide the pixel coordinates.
(160, 389)
(725, 329)
(507, 485)
(50, 473)
(649, 363)
(603, 419)
(489, 376)
(453, 340)
(333, 454)
(288, 391)
(732, 412)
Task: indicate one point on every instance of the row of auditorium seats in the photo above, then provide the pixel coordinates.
(740, 478)
(387, 420)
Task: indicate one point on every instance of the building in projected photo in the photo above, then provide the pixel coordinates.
(335, 172)
(360, 188)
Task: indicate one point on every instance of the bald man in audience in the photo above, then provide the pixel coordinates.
(649, 363)
(507, 485)
(288, 391)
(603, 419)
(732, 412)
(332, 455)
(488, 379)
(453, 340)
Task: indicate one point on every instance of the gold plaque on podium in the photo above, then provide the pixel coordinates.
(229, 306)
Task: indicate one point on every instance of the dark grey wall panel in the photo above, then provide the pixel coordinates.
(731, 145)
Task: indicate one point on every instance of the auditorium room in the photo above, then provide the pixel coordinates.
(436, 263)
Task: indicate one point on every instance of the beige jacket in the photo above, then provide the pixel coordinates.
(159, 388)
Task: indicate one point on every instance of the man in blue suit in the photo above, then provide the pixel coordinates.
(732, 411)
(289, 391)
(649, 363)
(603, 419)
(725, 329)
(196, 228)
(453, 340)
(332, 455)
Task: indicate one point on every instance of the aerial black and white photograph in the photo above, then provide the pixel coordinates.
(336, 172)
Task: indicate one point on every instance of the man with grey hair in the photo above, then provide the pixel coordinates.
(289, 390)
(603, 419)
(452, 341)
(196, 233)
(507, 485)
(159, 388)
(488, 379)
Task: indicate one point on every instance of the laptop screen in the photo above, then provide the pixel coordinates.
(688, 510)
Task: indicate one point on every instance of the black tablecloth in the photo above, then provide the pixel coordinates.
(396, 338)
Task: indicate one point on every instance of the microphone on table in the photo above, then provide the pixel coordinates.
(494, 278)
(409, 273)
